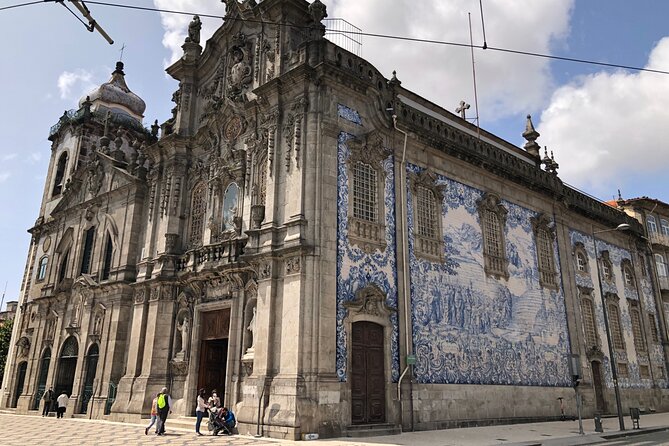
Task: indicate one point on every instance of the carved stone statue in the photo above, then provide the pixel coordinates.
(184, 328)
(97, 324)
(194, 30)
(240, 74)
(252, 328)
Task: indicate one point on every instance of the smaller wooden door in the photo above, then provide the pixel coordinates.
(20, 380)
(213, 360)
(368, 389)
(597, 384)
(91, 368)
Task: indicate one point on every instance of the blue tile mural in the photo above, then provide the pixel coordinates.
(357, 269)
(349, 114)
(472, 329)
(615, 286)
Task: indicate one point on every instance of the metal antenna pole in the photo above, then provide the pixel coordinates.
(476, 99)
(3, 295)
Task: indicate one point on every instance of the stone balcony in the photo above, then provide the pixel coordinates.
(664, 283)
(211, 256)
(658, 238)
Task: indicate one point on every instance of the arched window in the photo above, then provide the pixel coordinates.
(197, 210)
(60, 175)
(62, 273)
(426, 201)
(652, 225)
(41, 272)
(106, 263)
(87, 253)
(581, 258)
(661, 266)
(426, 212)
(230, 206)
(544, 237)
(629, 276)
(365, 192)
(606, 266)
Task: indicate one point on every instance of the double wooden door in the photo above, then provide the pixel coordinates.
(368, 398)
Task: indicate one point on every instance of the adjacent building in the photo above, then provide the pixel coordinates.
(324, 247)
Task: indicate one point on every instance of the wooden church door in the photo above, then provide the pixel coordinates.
(368, 389)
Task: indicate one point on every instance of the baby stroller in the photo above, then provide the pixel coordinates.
(216, 422)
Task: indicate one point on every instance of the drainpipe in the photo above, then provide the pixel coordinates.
(405, 267)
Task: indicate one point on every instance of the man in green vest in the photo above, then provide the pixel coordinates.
(164, 403)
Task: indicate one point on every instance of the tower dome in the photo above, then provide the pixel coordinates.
(116, 96)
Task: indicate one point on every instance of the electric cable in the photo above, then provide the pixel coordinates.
(20, 5)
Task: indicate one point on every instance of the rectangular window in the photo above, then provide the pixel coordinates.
(644, 372)
(545, 257)
(87, 254)
(635, 316)
(588, 311)
(41, 273)
(426, 212)
(655, 335)
(106, 265)
(616, 332)
(661, 266)
(623, 371)
(364, 192)
(652, 226)
(665, 227)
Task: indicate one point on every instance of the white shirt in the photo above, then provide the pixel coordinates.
(201, 405)
(62, 400)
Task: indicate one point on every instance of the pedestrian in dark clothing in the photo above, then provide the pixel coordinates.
(230, 421)
(164, 404)
(48, 398)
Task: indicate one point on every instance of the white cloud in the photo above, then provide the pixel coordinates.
(35, 157)
(9, 156)
(507, 84)
(607, 126)
(176, 25)
(73, 84)
(4, 176)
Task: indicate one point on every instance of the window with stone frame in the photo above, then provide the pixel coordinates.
(107, 260)
(427, 208)
(644, 371)
(623, 370)
(651, 224)
(544, 236)
(198, 209)
(62, 270)
(41, 272)
(637, 330)
(588, 317)
(87, 252)
(615, 324)
(664, 225)
(492, 216)
(606, 266)
(366, 186)
(661, 266)
(628, 273)
(654, 333)
(581, 258)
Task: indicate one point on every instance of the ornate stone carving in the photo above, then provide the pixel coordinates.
(241, 73)
(179, 367)
(371, 301)
(155, 294)
(265, 270)
(171, 241)
(140, 295)
(23, 345)
(293, 265)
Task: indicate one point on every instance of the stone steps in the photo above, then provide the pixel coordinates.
(371, 430)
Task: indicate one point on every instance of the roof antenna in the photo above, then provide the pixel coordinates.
(485, 44)
(121, 58)
(476, 99)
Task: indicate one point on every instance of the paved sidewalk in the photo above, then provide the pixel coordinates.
(24, 430)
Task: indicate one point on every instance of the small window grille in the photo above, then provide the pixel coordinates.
(426, 212)
(198, 209)
(616, 332)
(545, 257)
(588, 311)
(639, 343)
(655, 335)
(623, 370)
(365, 195)
(644, 372)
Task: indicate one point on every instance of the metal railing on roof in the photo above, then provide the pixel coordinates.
(344, 34)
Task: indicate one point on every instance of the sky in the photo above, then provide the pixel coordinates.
(607, 127)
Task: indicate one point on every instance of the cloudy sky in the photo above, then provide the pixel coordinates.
(607, 127)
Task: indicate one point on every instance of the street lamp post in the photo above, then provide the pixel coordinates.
(612, 360)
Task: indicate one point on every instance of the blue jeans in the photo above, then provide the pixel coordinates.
(199, 415)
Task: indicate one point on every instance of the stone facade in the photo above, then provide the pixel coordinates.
(321, 245)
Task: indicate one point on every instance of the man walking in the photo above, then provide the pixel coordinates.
(47, 397)
(62, 404)
(164, 404)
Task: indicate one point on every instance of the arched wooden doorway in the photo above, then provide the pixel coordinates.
(20, 380)
(368, 390)
(67, 365)
(91, 367)
(596, 367)
(43, 374)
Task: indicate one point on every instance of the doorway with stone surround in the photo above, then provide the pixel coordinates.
(212, 366)
(596, 367)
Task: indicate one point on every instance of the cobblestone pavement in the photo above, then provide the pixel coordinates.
(27, 430)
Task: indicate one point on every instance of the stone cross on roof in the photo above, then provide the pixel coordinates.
(462, 108)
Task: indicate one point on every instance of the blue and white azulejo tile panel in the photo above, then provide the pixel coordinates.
(472, 329)
(625, 293)
(349, 114)
(355, 268)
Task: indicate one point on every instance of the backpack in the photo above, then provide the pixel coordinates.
(162, 401)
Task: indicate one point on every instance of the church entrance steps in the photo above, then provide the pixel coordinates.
(185, 423)
(8, 411)
(371, 430)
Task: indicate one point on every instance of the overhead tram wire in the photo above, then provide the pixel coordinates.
(377, 35)
(20, 5)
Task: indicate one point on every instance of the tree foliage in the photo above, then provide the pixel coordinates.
(5, 339)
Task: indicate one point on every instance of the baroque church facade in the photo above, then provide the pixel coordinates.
(327, 249)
